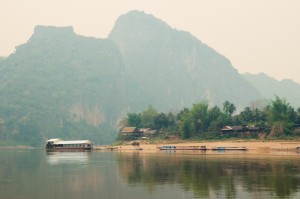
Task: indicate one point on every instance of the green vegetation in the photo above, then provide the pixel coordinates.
(62, 85)
(278, 119)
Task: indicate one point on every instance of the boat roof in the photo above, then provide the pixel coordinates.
(54, 140)
(75, 142)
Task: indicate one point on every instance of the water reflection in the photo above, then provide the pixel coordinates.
(213, 175)
(55, 158)
(36, 174)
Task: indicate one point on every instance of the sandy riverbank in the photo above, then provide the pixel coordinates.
(250, 145)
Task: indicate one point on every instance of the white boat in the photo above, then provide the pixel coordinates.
(57, 144)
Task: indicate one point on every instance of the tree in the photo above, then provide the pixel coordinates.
(172, 122)
(298, 117)
(148, 117)
(280, 116)
(134, 119)
(228, 108)
(246, 116)
(252, 117)
(199, 117)
(188, 128)
(215, 119)
(161, 121)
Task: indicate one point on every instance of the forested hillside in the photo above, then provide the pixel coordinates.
(60, 84)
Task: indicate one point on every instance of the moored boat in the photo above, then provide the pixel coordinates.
(167, 147)
(222, 148)
(71, 145)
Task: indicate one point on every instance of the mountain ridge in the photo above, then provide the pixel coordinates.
(173, 54)
(61, 84)
(269, 87)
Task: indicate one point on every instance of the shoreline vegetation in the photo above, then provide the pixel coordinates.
(269, 120)
(251, 145)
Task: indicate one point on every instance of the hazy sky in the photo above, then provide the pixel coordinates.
(256, 35)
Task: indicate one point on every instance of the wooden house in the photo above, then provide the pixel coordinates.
(148, 132)
(231, 129)
(245, 130)
(131, 132)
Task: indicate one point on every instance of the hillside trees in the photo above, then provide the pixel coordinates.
(277, 118)
(298, 117)
(150, 118)
(188, 122)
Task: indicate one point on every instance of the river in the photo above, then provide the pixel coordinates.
(35, 174)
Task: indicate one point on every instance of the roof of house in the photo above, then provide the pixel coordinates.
(145, 129)
(239, 128)
(128, 129)
(232, 128)
(255, 128)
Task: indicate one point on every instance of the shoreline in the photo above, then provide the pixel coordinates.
(255, 145)
(148, 145)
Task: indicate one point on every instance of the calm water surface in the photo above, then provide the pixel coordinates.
(35, 174)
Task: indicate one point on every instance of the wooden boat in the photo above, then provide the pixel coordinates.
(167, 147)
(222, 148)
(71, 145)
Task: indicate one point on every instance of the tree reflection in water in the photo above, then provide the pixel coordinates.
(220, 175)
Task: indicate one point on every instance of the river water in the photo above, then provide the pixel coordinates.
(35, 174)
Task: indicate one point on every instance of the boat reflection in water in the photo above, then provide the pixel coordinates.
(55, 158)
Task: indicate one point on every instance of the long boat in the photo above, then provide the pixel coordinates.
(168, 147)
(57, 144)
(222, 148)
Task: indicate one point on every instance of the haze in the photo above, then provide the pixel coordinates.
(257, 36)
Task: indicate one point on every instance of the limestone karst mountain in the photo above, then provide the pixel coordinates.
(60, 84)
(171, 69)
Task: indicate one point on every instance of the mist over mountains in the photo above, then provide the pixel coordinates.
(268, 87)
(172, 69)
(60, 84)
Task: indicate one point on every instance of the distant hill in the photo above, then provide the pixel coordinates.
(60, 84)
(269, 87)
(171, 69)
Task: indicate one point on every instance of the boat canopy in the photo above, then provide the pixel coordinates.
(54, 140)
(60, 141)
(75, 142)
